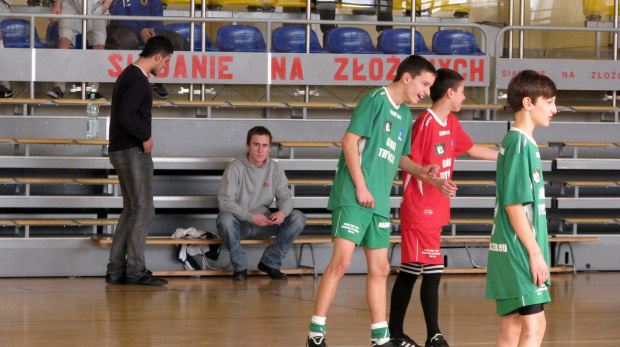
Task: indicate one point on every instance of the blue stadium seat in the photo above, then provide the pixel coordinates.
(16, 34)
(292, 39)
(456, 42)
(184, 29)
(398, 41)
(240, 38)
(350, 41)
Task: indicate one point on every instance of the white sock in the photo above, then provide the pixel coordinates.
(318, 321)
(386, 333)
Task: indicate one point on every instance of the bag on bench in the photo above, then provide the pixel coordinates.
(186, 253)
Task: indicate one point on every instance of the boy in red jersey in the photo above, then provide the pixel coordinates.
(437, 138)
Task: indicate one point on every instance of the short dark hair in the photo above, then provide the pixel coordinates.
(155, 45)
(529, 83)
(258, 130)
(446, 79)
(415, 65)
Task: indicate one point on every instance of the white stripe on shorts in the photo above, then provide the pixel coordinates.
(416, 268)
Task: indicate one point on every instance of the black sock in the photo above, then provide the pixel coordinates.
(429, 296)
(401, 294)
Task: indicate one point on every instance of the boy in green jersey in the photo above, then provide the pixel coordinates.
(374, 146)
(518, 270)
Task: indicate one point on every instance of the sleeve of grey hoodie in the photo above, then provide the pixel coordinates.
(226, 196)
(283, 192)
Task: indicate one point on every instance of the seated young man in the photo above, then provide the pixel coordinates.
(249, 185)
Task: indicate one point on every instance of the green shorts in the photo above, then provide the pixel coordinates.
(510, 306)
(362, 227)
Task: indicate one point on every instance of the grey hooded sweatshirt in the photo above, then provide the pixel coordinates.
(247, 190)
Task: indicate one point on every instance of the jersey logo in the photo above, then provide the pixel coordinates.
(388, 126)
(144, 2)
(401, 132)
(536, 174)
(440, 148)
(266, 184)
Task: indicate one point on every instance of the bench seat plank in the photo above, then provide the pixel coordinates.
(314, 104)
(97, 180)
(43, 180)
(255, 103)
(46, 141)
(97, 221)
(594, 108)
(199, 103)
(92, 142)
(303, 144)
(21, 222)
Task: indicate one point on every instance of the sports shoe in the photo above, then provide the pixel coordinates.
(145, 278)
(437, 341)
(405, 341)
(390, 343)
(118, 278)
(275, 274)
(160, 91)
(317, 341)
(5, 92)
(56, 93)
(240, 275)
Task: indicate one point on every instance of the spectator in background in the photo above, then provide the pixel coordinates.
(69, 28)
(5, 87)
(249, 186)
(130, 35)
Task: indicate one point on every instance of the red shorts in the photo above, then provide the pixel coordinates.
(421, 246)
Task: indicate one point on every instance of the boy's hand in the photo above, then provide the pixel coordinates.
(445, 187)
(540, 271)
(429, 171)
(364, 197)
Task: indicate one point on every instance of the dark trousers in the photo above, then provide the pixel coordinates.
(135, 174)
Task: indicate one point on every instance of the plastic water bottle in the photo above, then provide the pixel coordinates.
(92, 117)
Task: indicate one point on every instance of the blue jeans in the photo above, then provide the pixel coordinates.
(135, 174)
(233, 230)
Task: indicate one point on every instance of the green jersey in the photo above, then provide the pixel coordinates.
(386, 135)
(519, 181)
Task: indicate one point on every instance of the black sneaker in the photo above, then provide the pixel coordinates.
(317, 341)
(275, 274)
(5, 92)
(405, 341)
(119, 278)
(390, 343)
(56, 93)
(240, 275)
(146, 278)
(437, 341)
(160, 91)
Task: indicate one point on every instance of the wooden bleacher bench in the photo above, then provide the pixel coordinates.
(575, 221)
(25, 101)
(78, 102)
(305, 144)
(42, 141)
(575, 145)
(577, 184)
(256, 103)
(309, 241)
(314, 104)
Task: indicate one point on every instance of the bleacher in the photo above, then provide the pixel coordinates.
(57, 190)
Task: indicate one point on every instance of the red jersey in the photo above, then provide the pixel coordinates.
(432, 142)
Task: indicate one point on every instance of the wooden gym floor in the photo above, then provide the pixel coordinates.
(219, 312)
